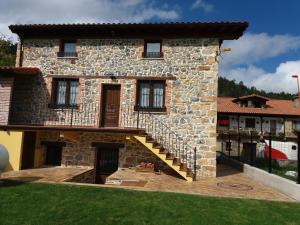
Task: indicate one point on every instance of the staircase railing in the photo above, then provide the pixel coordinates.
(184, 154)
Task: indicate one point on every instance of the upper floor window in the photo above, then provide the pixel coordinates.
(151, 95)
(223, 121)
(65, 92)
(250, 123)
(67, 49)
(153, 49)
(296, 124)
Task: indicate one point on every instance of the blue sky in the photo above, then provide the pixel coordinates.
(265, 57)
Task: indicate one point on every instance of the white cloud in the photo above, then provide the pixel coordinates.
(71, 11)
(252, 48)
(201, 4)
(280, 80)
(240, 63)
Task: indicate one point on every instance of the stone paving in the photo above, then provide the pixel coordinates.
(229, 182)
(47, 174)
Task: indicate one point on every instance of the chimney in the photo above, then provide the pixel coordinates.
(296, 101)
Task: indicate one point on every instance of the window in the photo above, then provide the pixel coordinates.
(296, 125)
(65, 92)
(294, 147)
(152, 49)
(151, 95)
(67, 49)
(250, 123)
(223, 121)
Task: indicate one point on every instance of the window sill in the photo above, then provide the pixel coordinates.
(67, 57)
(63, 106)
(152, 58)
(152, 110)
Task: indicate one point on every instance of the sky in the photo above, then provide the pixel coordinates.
(265, 57)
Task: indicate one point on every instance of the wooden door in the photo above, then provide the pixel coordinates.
(110, 105)
(107, 160)
(28, 150)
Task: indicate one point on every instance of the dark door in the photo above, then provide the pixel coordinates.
(249, 152)
(106, 163)
(28, 150)
(110, 105)
(53, 155)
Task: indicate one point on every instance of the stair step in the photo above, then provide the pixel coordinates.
(189, 172)
(156, 145)
(183, 167)
(162, 150)
(170, 156)
(176, 161)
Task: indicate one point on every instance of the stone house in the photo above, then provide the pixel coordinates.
(108, 96)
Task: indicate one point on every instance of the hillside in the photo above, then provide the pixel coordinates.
(230, 88)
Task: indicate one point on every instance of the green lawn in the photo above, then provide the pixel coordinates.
(39, 204)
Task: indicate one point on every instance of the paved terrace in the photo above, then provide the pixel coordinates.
(229, 182)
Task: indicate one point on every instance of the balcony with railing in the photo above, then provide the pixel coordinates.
(86, 117)
(82, 115)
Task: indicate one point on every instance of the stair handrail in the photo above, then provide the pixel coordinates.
(163, 134)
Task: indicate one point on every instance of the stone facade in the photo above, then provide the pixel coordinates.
(190, 67)
(81, 153)
(6, 84)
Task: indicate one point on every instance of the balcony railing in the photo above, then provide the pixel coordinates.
(82, 115)
(67, 54)
(87, 115)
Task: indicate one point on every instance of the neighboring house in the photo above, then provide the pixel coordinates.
(246, 122)
(260, 114)
(107, 96)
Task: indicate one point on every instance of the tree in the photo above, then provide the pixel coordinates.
(230, 88)
(7, 51)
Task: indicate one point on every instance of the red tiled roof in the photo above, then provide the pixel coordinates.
(19, 70)
(274, 107)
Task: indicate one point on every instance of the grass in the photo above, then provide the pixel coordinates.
(43, 204)
(276, 169)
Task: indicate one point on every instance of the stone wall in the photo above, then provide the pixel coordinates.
(87, 177)
(6, 84)
(191, 96)
(81, 153)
